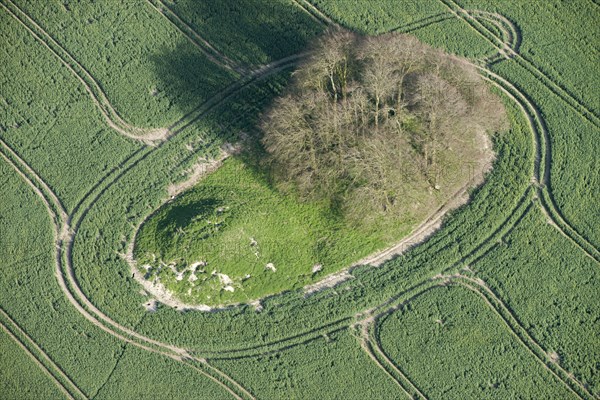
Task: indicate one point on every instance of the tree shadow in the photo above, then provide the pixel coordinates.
(250, 31)
(187, 78)
(182, 215)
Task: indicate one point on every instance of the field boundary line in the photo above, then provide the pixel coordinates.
(554, 87)
(38, 362)
(422, 23)
(194, 37)
(365, 345)
(498, 307)
(178, 354)
(371, 347)
(297, 56)
(543, 150)
(316, 14)
(396, 370)
(490, 297)
(138, 160)
(113, 119)
(282, 344)
(74, 392)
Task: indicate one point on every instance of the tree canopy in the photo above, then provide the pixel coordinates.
(380, 126)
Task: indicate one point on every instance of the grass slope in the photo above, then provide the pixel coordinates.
(237, 224)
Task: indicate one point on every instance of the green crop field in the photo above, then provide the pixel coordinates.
(115, 122)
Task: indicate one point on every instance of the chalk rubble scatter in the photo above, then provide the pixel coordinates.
(271, 267)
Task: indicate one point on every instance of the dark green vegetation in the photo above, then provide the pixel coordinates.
(319, 369)
(562, 274)
(544, 273)
(452, 345)
(25, 379)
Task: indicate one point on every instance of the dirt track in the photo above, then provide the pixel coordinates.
(493, 302)
(97, 95)
(64, 235)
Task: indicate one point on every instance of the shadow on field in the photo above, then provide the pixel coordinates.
(252, 33)
(182, 215)
(186, 78)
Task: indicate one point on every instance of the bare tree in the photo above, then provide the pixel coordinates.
(441, 107)
(374, 124)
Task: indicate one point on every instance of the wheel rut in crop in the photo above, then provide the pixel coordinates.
(66, 225)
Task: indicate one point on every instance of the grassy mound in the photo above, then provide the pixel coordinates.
(233, 238)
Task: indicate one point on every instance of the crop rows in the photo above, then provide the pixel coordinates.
(540, 135)
(204, 46)
(555, 88)
(67, 225)
(113, 119)
(64, 383)
(372, 343)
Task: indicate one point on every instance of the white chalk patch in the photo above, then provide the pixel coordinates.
(271, 267)
(225, 280)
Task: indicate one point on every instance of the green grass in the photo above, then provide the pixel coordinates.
(237, 224)
(106, 278)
